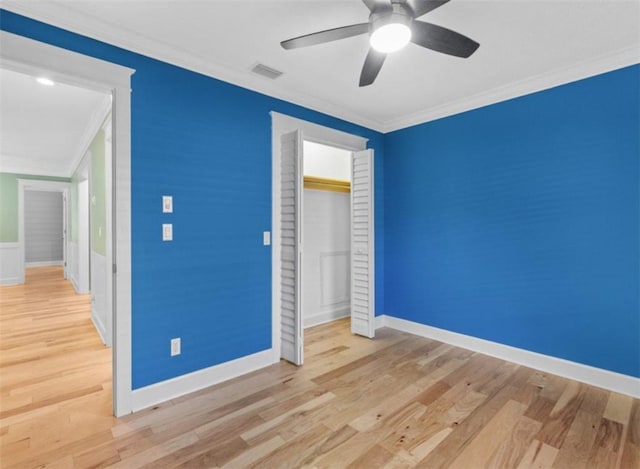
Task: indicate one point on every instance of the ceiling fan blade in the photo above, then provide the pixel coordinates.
(422, 7)
(326, 36)
(377, 5)
(441, 39)
(371, 68)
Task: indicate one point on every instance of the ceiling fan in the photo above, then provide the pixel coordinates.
(392, 25)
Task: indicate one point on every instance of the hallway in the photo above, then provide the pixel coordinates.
(55, 373)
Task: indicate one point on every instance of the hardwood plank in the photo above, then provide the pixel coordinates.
(618, 408)
(539, 455)
(398, 401)
(557, 426)
(513, 448)
(499, 428)
(631, 450)
(376, 456)
(607, 444)
(577, 445)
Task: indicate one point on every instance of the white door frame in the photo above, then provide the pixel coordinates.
(280, 124)
(25, 55)
(45, 186)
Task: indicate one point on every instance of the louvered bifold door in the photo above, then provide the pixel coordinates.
(290, 252)
(362, 244)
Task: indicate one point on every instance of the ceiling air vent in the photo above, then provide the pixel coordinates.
(265, 71)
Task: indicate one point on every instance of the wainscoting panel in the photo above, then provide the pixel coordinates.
(10, 264)
(98, 295)
(334, 278)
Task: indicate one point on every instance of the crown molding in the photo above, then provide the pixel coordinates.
(89, 26)
(15, 164)
(86, 25)
(557, 77)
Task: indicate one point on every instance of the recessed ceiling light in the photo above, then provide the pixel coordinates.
(45, 81)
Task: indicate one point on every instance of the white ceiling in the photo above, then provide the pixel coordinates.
(45, 129)
(525, 46)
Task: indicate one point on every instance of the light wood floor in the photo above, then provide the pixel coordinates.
(397, 401)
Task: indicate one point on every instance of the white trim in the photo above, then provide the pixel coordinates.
(280, 124)
(90, 26)
(543, 81)
(43, 263)
(175, 387)
(317, 133)
(100, 328)
(32, 57)
(36, 185)
(599, 377)
(109, 198)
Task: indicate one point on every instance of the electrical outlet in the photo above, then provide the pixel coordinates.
(175, 347)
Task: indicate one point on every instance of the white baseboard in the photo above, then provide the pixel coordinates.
(7, 281)
(73, 281)
(185, 384)
(326, 316)
(43, 263)
(100, 327)
(380, 321)
(599, 377)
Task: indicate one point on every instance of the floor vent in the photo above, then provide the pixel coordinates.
(265, 71)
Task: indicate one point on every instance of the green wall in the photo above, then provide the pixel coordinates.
(98, 200)
(98, 194)
(9, 203)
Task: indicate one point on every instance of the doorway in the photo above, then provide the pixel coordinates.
(288, 253)
(60, 65)
(326, 234)
(44, 219)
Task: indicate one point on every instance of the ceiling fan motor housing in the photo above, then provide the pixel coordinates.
(399, 13)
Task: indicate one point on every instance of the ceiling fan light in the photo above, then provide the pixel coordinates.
(390, 37)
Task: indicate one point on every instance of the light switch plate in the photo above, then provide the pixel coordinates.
(167, 232)
(176, 347)
(167, 204)
(266, 238)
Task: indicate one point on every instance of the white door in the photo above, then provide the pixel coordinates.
(362, 245)
(290, 247)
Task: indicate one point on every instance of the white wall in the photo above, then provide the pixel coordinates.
(326, 238)
(326, 162)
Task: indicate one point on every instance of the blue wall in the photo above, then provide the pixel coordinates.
(207, 143)
(518, 222)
